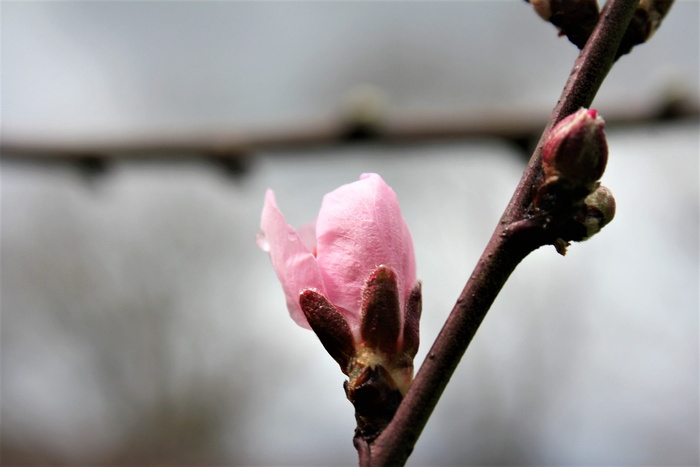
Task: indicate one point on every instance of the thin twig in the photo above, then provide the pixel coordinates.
(511, 242)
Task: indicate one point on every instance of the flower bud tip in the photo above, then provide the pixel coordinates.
(574, 156)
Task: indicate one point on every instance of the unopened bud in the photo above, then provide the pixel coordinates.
(574, 19)
(656, 10)
(645, 21)
(597, 210)
(330, 327)
(380, 327)
(411, 331)
(543, 8)
(382, 369)
(385, 339)
(576, 152)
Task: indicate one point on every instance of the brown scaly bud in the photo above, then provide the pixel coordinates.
(657, 11)
(576, 149)
(542, 8)
(380, 327)
(382, 368)
(411, 332)
(597, 210)
(330, 327)
(574, 157)
(574, 19)
(378, 361)
(645, 21)
(388, 336)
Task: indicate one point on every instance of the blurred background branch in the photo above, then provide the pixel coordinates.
(520, 127)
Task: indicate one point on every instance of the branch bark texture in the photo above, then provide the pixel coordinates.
(514, 238)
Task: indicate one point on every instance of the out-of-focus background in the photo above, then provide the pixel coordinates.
(142, 326)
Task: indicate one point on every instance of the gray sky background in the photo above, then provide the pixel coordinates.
(141, 325)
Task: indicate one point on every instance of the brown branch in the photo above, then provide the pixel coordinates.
(513, 239)
(398, 129)
(241, 142)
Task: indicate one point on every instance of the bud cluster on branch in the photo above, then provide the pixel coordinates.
(574, 156)
(351, 278)
(576, 20)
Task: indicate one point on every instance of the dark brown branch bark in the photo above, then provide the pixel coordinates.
(513, 239)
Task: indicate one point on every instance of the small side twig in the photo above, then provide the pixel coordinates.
(511, 241)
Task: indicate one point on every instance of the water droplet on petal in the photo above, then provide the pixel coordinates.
(262, 242)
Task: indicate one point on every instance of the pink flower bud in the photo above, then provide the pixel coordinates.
(576, 152)
(352, 278)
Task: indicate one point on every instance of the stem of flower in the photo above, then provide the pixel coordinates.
(513, 239)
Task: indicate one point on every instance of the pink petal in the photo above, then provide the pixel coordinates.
(359, 228)
(307, 233)
(294, 264)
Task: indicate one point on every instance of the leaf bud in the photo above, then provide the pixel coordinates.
(597, 210)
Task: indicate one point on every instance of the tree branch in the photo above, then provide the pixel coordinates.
(240, 143)
(514, 238)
